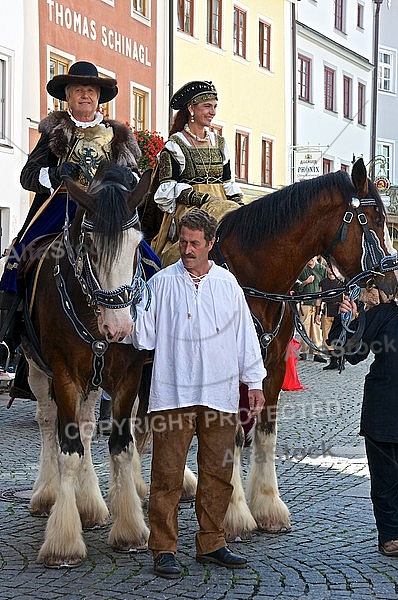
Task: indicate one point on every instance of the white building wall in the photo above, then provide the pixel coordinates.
(387, 102)
(349, 53)
(13, 147)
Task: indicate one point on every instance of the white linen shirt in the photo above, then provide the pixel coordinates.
(204, 340)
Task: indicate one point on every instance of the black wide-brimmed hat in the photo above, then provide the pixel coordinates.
(83, 73)
(193, 93)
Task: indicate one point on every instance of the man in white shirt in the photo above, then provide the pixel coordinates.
(205, 343)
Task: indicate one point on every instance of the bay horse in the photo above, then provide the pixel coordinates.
(84, 294)
(266, 245)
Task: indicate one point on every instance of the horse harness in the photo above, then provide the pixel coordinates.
(121, 297)
(374, 262)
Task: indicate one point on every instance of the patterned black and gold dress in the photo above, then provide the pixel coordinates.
(192, 176)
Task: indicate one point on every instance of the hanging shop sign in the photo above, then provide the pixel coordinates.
(382, 183)
(307, 164)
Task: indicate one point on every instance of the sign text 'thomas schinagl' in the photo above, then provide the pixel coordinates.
(89, 28)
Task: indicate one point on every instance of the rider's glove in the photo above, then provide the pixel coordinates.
(68, 169)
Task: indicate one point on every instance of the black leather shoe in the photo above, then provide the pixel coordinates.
(319, 358)
(166, 565)
(223, 557)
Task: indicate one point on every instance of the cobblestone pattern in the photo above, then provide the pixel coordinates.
(331, 552)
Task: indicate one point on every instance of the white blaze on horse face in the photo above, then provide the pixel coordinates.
(116, 323)
(388, 242)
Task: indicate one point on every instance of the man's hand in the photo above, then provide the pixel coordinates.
(56, 174)
(347, 305)
(256, 402)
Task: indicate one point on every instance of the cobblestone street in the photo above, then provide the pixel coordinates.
(331, 551)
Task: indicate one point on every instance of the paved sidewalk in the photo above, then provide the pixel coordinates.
(331, 552)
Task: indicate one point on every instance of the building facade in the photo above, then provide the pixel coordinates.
(42, 38)
(240, 46)
(386, 156)
(295, 79)
(13, 126)
(334, 84)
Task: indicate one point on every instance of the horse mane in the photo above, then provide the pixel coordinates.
(109, 190)
(272, 215)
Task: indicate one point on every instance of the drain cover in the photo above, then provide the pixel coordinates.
(19, 494)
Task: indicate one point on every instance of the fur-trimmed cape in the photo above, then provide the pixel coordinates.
(61, 130)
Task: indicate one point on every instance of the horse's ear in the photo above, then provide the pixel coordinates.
(137, 196)
(359, 177)
(79, 194)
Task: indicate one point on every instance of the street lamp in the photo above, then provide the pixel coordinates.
(375, 83)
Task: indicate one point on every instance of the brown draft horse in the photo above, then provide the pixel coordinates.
(84, 294)
(266, 244)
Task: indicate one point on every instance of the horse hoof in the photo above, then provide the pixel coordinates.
(92, 526)
(128, 549)
(274, 528)
(41, 514)
(241, 537)
(68, 563)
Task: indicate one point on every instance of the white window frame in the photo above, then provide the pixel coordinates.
(148, 92)
(145, 19)
(6, 87)
(244, 8)
(68, 57)
(381, 147)
(383, 67)
(267, 21)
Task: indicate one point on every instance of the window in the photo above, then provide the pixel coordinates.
(361, 103)
(347, 100)
(140, 7)
(58, 66)
(214, 22)
(386, 150)
(266, 162)
(386, 71)
(344, 167)
(185, 16)
(339, 14)
(239, 32)
(360, 10)
(140, 107)
(264, 45)
(216, 128)
(241, 155)
(329, 88)
(304, 78)
(5, 125)
(327, 166)
(107, 108)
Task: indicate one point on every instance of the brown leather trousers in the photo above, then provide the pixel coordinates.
(173, 431)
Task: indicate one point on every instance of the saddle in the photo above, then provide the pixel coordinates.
(30, 258)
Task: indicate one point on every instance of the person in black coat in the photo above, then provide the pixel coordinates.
(379, 416)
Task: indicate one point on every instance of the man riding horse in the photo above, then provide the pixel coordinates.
(73, 143)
